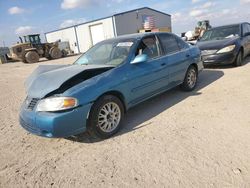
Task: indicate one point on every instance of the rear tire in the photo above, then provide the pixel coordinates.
(239, 58)
(55, 53)
(190, 80)
(31, 57)
(105, 117)
(24, 60)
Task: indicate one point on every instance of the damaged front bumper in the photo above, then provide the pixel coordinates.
(55, 124)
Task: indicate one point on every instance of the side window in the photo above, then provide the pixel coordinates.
(148, 46)
(169, 43)
(37, 40)
(31, 40)
(245, 29)
(182, 45)
(248, 26)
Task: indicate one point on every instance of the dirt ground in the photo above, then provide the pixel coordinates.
(177, 139)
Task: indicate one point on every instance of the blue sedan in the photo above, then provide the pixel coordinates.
(114, 75)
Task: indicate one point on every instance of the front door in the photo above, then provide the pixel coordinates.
(147, 78)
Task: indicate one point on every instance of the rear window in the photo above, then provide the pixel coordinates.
(169, 43)
(182, 45)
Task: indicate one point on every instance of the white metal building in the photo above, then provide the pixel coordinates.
(82, 36)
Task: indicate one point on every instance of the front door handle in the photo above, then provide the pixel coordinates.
(163, 64)
(187, 55)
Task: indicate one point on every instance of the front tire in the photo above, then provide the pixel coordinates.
(239, 58)
(55, 53)
(190, 80)
(31, 57)
(105, 117)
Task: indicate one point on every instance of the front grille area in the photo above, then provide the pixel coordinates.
(208, 52)
(31, 103)
(29, 127)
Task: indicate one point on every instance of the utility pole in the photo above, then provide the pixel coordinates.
(3, 43)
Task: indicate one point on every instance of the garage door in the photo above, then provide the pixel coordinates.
(97, 33)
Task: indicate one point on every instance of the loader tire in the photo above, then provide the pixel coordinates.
(31, 57)
(55, 53)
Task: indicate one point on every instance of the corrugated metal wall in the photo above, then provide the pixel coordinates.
(131, 22)
(85, 38)
(64, 35)
(81, 39)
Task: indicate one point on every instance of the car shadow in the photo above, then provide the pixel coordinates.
(156, 105)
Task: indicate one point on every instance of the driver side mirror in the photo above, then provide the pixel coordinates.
(140, 59)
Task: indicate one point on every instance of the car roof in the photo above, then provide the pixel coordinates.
(229, 25)
(138, 35)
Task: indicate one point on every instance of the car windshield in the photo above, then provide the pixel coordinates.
(111, 52)
(221, 33)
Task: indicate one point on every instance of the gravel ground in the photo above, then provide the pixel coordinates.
(177, 139)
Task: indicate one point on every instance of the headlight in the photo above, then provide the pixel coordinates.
(56, 104)
(226, 49)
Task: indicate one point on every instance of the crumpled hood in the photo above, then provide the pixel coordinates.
(216, 44)
(48, 78)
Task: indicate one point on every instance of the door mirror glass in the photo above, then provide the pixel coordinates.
(140, 59)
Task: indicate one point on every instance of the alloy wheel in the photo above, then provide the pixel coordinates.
(191, 78)
(109, 117)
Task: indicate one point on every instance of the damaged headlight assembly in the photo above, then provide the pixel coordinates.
(54, 104)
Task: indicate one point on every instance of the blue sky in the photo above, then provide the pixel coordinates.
(19, 17)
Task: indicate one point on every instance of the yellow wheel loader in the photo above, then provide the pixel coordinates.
(30, 49)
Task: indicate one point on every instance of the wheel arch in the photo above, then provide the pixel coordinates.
(117, 94)
(195, 66)
(242, 50)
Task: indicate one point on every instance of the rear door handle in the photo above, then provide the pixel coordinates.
(163, 64)
(187, 55)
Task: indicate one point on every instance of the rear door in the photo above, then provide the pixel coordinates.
(176, 57)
